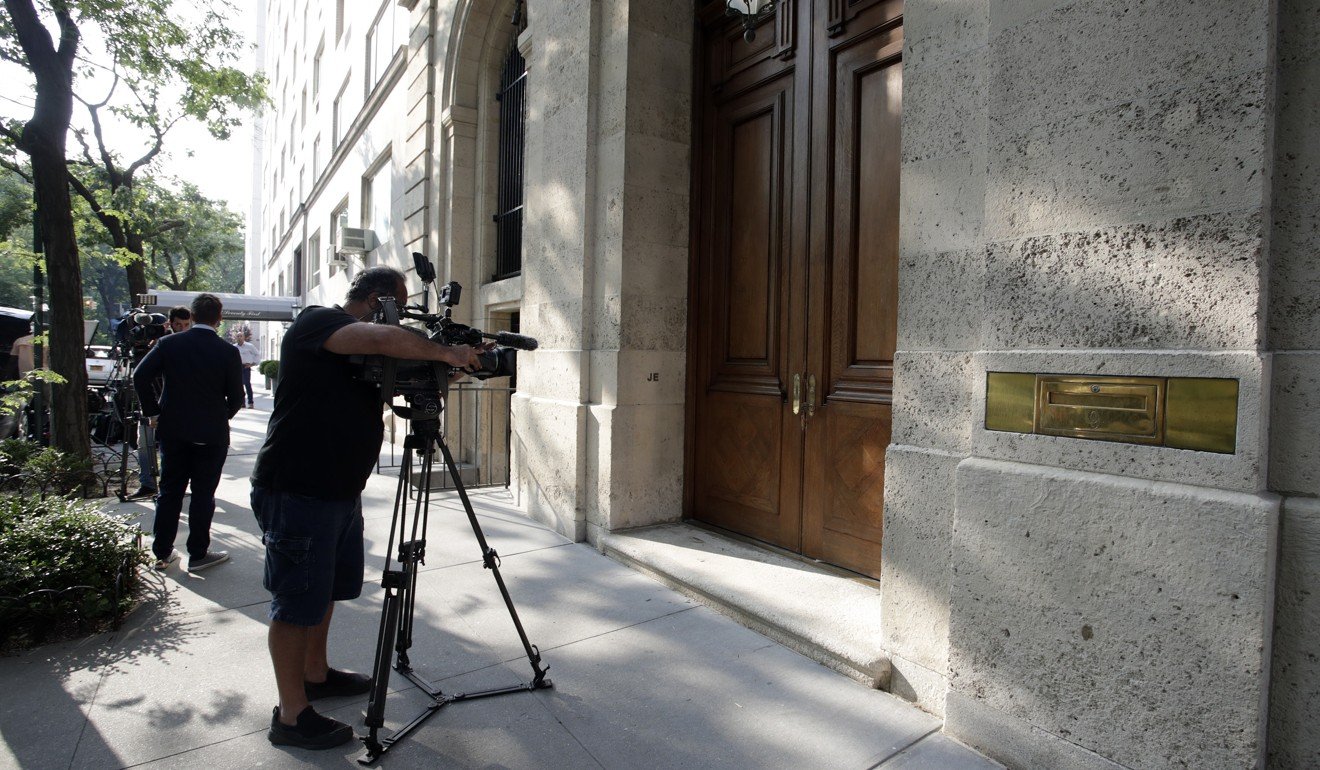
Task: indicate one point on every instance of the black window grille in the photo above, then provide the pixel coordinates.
(512, 97)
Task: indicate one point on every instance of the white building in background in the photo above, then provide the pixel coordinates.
(333, 148)
(759, 310)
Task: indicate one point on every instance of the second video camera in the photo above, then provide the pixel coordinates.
(136, 330)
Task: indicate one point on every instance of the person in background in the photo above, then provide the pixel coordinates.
(202, 391)
(181, 319)
(247, 353)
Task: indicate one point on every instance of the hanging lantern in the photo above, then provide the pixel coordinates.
(751, 11)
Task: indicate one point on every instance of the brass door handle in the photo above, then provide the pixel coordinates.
(797, 393)
(811, 395)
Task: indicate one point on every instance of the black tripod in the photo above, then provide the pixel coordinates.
(126, 411)
(400, 583)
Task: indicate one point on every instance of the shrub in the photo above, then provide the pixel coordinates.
(14, 454)
(26, 467)
(270, 368)
(64, 567)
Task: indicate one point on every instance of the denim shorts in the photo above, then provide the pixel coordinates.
(313, 553)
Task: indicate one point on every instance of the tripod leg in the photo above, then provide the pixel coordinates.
(123, 458)
(380, 672)
(491, 560)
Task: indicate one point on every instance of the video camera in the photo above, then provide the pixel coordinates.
(406, 378)
(135, 331)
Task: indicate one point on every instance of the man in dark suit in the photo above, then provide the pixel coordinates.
(203, 390)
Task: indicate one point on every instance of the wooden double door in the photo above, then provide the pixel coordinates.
(795, 276)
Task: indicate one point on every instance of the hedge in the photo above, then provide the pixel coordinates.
(64, 568)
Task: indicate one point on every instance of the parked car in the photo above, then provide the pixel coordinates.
(99, 365)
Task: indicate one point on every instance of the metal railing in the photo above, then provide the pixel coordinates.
(477, 430)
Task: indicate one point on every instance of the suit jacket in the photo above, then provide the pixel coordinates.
(203, 386)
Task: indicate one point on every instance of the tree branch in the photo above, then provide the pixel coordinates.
(32, 35)
(16, 169)
(106, 158)
(110, 221)
(10, 134)
(174, 274)
(68, 33)
(113, 85)
(81, 136)
(150, 110)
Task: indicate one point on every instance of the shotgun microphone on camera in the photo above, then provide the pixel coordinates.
(519, 341)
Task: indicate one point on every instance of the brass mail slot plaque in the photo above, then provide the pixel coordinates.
(1180, 412)
(1126, 409)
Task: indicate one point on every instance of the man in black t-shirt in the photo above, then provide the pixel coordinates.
(322, 442)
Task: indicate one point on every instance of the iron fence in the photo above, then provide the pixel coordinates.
(477, 431)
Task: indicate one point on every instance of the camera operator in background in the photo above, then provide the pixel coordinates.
(322, 443)
(181, 319)
(202, 389)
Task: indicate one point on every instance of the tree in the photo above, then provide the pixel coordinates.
(199, 242)
(16, 256)
(151, 46)
(26, 40)
(196, 244)
(109, 184)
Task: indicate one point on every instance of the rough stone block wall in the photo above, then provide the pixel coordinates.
(605, 264)
(1127, 617)
(942, 267)
(1086, 189)
(1294, 332)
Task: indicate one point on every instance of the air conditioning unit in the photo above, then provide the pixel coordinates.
(356, 240)
(335, 260)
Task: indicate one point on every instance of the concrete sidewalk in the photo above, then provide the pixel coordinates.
(644, 677)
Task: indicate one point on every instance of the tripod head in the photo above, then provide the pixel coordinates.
(422, 406)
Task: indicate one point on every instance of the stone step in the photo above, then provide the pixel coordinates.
(830, 618)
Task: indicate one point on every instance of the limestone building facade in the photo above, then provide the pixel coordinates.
(1008, 309)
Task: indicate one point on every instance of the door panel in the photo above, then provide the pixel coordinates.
(747, 443)
(857, 253)
(795, 275)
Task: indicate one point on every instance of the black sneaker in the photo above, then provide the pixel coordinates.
(338, 684)
(211, 559)
(313, 731)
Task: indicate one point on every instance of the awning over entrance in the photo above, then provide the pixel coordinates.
(237, 307)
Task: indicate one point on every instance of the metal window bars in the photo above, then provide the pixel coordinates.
(508, 218)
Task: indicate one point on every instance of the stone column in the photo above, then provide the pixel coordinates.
(599, 413)
(941, 303)
(639, 291)
(550, 408)
(1294, 318)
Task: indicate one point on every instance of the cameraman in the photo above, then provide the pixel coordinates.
(180, 320)
(323, 440)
